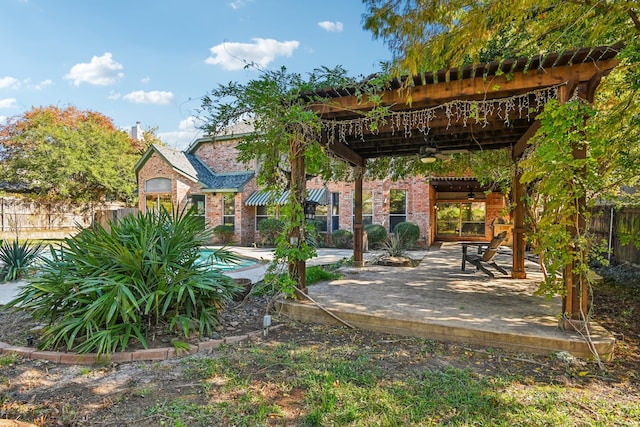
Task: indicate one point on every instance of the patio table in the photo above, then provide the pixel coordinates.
(465, 245)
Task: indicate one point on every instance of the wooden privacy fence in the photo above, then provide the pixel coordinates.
(104, 217)
(619, 228)
(24, 215)
(32, 219)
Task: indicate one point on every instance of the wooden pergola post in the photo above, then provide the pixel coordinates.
(576, 298)
(297, 267)
(518, 199)
(519, 229)
(358, 227)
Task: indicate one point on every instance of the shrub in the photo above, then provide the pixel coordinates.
(376, 235)
(317, 274)
(342, 239)
(269, 229)
(315, 238)
(395, 245)
(17, 258)
(103, 288)
(224, 233)
(409, 232)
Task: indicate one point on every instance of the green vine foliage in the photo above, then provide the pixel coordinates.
(278, 104)
(562, 182)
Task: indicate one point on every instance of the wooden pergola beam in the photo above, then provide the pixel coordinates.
(474, 88)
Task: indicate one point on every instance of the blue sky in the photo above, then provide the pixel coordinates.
(150, 61)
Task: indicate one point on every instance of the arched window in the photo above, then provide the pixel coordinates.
(158, 194)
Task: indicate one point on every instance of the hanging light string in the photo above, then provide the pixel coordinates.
(463, 112)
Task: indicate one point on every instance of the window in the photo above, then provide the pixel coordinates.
(265, 211)
(460, 219)
(229, 209)
(158, 194)
(197, 202)
(157, 202)
(157, 185)
(335, 211)
(397, 208)
(367, 207)
(321, 215)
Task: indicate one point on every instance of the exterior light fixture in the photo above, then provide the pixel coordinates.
(310, 210)
(428, 154)
(471, 195)
(428, 158)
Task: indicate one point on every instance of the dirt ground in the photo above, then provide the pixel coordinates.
(48, 394)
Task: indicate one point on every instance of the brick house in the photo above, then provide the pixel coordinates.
(208, 175)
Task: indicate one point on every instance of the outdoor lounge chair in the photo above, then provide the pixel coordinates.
(486, 256)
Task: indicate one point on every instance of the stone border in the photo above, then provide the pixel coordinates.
(151, 354)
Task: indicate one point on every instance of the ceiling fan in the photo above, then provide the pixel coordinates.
(430, 152)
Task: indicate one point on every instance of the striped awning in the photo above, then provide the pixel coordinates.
(263, 198)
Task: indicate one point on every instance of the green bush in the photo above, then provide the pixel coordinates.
(104, 288)
(376, 235)
(315, 238)
(17, 258)
(342, 239)
(409, 232)
(269, 229)
(317, 273)
(223, 233)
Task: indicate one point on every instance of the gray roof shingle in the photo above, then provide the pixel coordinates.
(193, 168)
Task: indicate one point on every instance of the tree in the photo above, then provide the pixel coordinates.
(68, 154)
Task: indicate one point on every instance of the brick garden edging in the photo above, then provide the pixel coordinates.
(151, 354)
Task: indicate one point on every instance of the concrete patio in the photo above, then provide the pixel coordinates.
(438, 300)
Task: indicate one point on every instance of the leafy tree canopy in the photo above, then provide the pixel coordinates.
(425, 35)
(68, 154)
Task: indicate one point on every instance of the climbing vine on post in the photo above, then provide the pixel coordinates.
(562, 181)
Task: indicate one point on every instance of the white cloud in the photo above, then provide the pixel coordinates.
(9, 83)
(101, 71)
(114, 96)
(187, 132)
(7, 102)
(145, 79)
(153, 97)
(237, 4)
(234, 56)
(332, 27)
(42, 84)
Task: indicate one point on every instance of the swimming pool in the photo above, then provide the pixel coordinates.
(206, 254)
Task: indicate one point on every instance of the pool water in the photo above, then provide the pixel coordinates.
(242, 263)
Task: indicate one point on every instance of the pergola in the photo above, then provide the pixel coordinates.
(477, 107)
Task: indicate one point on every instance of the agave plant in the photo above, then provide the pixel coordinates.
(17, 258)
(102, 288)
(396, 245)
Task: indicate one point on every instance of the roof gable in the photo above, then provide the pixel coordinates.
(192, 168)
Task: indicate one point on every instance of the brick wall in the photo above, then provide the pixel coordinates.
(221, 157)
(156, 167)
